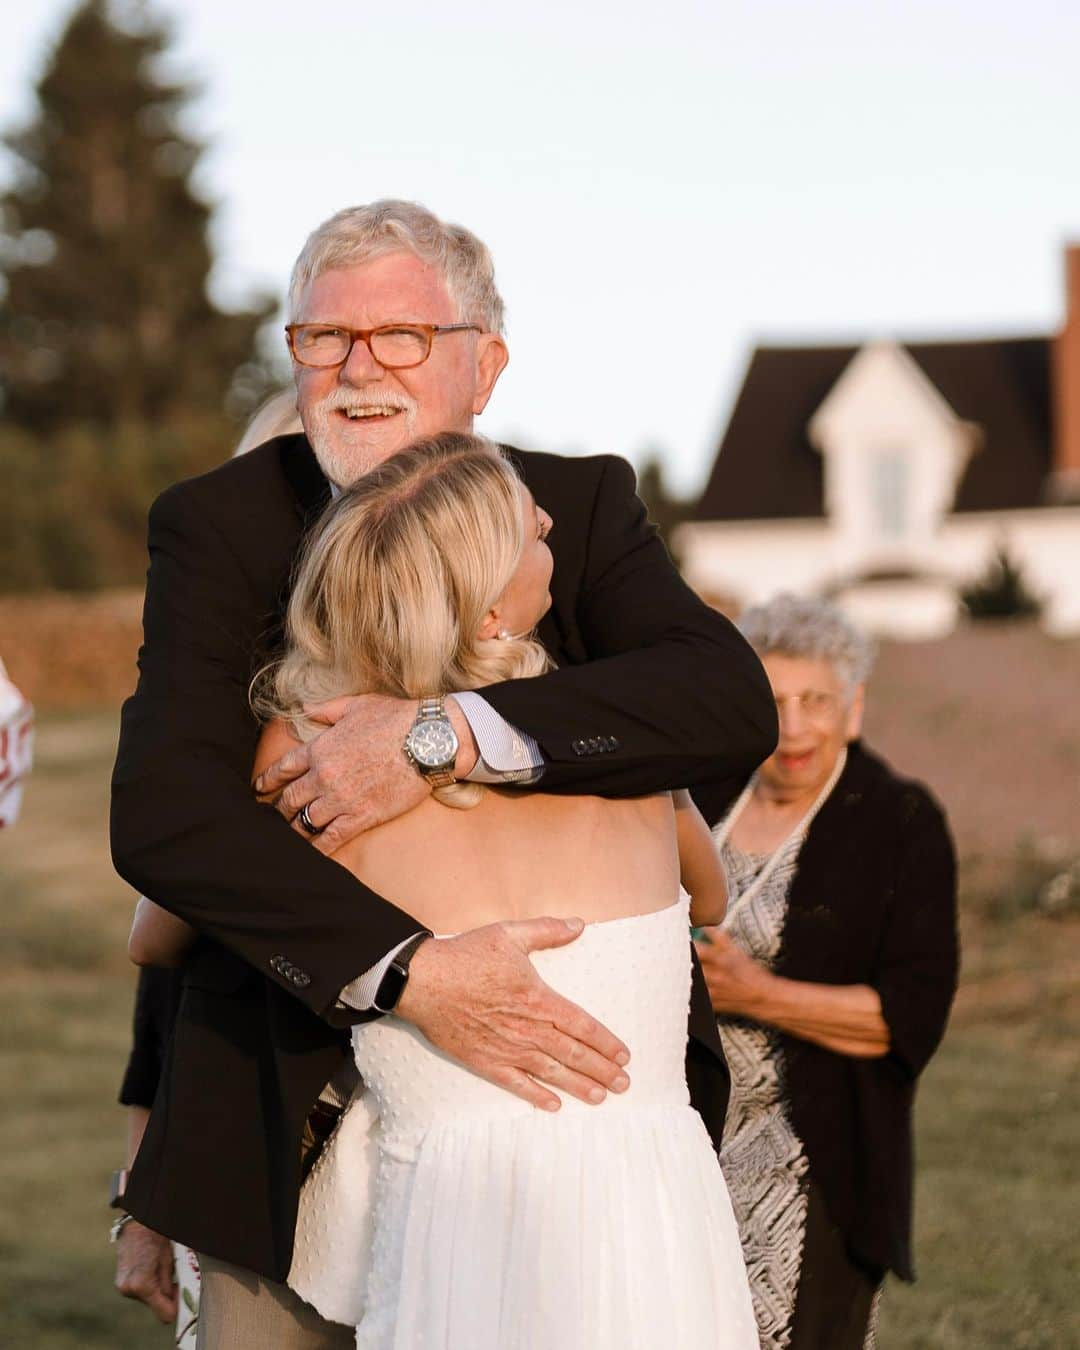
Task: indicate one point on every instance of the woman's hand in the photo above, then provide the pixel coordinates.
(844, 1018)
(736, 981)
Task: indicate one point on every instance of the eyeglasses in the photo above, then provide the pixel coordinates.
(395, 346)
(816, 705)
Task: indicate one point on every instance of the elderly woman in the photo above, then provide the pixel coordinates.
(832, 978)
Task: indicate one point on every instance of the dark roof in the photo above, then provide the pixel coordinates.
(767, 469)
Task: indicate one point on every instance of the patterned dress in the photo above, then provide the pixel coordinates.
(763, 1159)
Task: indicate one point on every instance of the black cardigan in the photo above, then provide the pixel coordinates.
(873, 902)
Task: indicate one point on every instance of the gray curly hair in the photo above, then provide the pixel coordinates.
(801, 625)
(360, 233)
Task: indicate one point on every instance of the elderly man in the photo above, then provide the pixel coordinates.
(395, 334)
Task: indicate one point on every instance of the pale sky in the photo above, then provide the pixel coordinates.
(662, 185)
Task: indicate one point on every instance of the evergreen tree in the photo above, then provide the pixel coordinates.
(106, 319)
(116, 370)
(1001, 592)
(665, 510)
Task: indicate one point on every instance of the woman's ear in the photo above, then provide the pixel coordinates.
(490, 627)
(853, 729)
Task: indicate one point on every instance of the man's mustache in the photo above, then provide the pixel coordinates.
(342, 400)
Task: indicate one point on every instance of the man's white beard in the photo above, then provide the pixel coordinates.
(341, 457)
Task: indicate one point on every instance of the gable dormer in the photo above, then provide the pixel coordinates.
(894, 453)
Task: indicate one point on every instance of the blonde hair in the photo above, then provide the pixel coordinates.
(395, 583)
(360, 233)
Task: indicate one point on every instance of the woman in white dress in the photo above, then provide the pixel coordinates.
(491, 1224)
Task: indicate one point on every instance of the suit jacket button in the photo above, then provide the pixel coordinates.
(613, 742)
(594, 745)
(302, 980)
(275, 964)
(579, 748)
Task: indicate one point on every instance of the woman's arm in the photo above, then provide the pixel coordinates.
(699, 867)
(846, 1018)
(157, 937)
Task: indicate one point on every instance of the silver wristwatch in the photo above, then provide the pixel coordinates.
(431, 746)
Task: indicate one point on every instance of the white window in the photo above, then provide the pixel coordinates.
(890, 487)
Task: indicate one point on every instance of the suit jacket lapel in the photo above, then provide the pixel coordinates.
(309, 484)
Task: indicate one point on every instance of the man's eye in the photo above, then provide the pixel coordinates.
(313, 337)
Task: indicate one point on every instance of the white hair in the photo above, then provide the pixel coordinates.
(361, 233)
(804, 626)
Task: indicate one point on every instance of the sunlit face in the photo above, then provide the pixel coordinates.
(527, 597)
(358, 414)
(818, 716)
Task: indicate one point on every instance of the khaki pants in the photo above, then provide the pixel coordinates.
(239, 1310)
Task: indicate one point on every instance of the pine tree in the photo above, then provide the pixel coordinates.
(106, 319)
(1001, 592)
(666, 511)
(115, 367)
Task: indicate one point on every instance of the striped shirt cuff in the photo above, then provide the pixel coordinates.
(507, 755)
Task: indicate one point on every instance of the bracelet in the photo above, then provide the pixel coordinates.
(118, 1226)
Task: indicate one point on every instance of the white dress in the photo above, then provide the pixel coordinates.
(498, 1226)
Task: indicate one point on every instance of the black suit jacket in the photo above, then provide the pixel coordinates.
(643, 664)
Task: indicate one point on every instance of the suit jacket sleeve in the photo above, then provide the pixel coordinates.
(186, 828)
(671, 681)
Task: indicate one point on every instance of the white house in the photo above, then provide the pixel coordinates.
(889, 475)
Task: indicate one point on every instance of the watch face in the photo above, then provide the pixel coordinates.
(433, 744)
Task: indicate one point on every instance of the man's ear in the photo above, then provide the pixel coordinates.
(492, 355)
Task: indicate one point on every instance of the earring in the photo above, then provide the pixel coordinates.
(504, 636)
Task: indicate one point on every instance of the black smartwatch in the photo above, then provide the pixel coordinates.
(392, 985)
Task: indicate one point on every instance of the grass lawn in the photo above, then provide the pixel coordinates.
(996, 1225)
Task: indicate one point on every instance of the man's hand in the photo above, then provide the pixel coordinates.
(736, 981)
(354, 775)
(144, 1269)
(478, 998)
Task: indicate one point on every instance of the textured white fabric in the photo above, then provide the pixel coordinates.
(332, 1246)
(501, 1227)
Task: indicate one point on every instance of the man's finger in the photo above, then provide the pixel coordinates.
(579, 1064)
(533, 935)
(521, 1085)
(150, 1281)
(333, 710)
(576, 1023)
(291, 765)
(298, 794)
(338, 833)
(163, 1306)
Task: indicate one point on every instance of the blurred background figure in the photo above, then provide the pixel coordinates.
(16, 747)
(832, 978)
